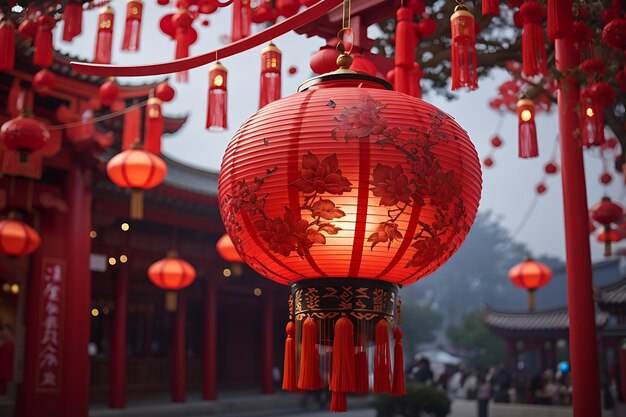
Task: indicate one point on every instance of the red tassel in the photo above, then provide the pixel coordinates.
(491, 7)
(242, 20)
(527, 132)
(463, 54)
(338, 402)
(397, 386)
(184, 36)
(216, 109)
(270, 75)
(154, 126)
(593, 100)
(415, 88)
(132, 30)
(132, 122)
(309, 376)
(104, 37)
(534, 61)
(7, 46)
(560, 19)
(382, 358)
(343, 378)
(43, 41)
(72, 20)
(362, 370)
(289, 365)
(405, 49)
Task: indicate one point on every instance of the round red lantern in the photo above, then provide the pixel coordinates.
(44, 81)
(541, 188)
(606, 178)
(108, 92)
(366, 189)
(227, 250)
(530, 275)
(324, 60)
(551, 168)
(496, 141)
(488, 162)
(24, 134)
(362, 64)
(17, 238)
(605, 213)
(164, 92)
(138, 170)
(614, 34)
(172, 273)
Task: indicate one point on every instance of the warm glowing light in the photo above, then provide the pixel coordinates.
(227, 272)
(112, 261)
(93, 234)
(526, 115)
(589, 112)
(6, 287)
(123, 259)
(218, 81)
(258, 292)
(15, 288)
(95, 312)
(125, 227)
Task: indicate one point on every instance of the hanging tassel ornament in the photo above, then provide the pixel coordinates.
(593, 100)
(154, 126)
(382, 358)
(362, 370)
(7, 45)
(343, 377)
(43, 41)
(289, 365)
(132, 29)
(560, 19)
(185, 36)
(463, 54)
(405, 49)
(534, 61)
(309, 376)
(397, 385)
(72, 20)
(491, 7)
(242, 20)
(527, 132)
(270, 74)
(104, 37)
(216, 110)
(338, 402)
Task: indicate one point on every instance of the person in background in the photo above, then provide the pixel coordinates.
(501, 383)
(423, 373)
(483, 394)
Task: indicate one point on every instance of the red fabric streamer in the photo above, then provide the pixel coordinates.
(534, 61)
(154, 126)
(242, 20)
(216, 110)
(560, 19)
(527, 131)
(43, 41)
(132, 124)
(270, 75)
(463, 54)
(309, 376)
(7, 45)
(382, 358)
(405, 49)
(132, 29)
(104, 37)
(289, 365)
(397, 386)
(491, 7)
(72, 20)
(343, 378)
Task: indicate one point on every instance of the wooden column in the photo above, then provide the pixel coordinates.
(117, 389)
(209, 386)
(268, 342)
(179, 356)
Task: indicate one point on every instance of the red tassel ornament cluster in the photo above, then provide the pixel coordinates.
(132, 29)
(534, 60)
(463, 53)
(526, 130)
(72, 20)
(44, 51)
(271, 58)
(7, 45)
(217, 118)
(104, 37)
(560, 19)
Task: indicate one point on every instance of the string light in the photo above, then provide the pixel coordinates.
(125, 227)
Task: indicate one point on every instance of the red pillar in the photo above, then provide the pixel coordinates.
(179, 363)
(117, 389)
(583, 340)
(209, 387)
(268, 343)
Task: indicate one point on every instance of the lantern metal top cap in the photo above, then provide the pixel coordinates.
(271, 48)
(134, 1)
(525, 102)
(154, 100)
(461, 10)
(349, 78)
(218, 66)
(107, 9)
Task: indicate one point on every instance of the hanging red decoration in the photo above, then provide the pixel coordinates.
(44, 50)
(108, 92)
(164, 92)
(138, 170)
(17, 238)
(614, 34)
(132, 126)
(583, 37)
(560, 19)
(541, 188)
(324, 60)
(415, 79)
(405, 49)
(72, 20)
(217, 117)
(594, 69)
(534, 61)
(242, 20)
(293, 70)
(593, 100)
(426, 27)
(185, 36)
(27, 30)
(488, 162)
(526, 130)
(132, 28)
(496, 141)
(104, 36)
(264, 12)
(530, 275)
(551, 168)
(288, 8)
(363, 65)
(24, 134)
(271, 61)
(608, 237)
(172, 273)
(491, 7)
(44, 81)
(606, 178)
(463, 49)
(607, 212)
(153, 129)
(341, 198)
(227, 250)
(621, 79)
(7, 45)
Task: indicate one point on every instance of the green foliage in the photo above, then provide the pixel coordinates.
(420, 324)
(419, 399)
(472, 335)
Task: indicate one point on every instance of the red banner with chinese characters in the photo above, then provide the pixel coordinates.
(50, 333)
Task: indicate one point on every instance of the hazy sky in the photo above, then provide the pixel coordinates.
(508, 187)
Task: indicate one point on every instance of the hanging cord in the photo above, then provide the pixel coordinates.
(346, 14)
(99, 118)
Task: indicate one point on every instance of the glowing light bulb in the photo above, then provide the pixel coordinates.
(589, 112)
(526, 115)
(95, 312)
(227, 272)
(258, 292)
(112, 261)
(125, 227)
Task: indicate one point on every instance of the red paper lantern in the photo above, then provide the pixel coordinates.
(172, 273)
(606, 178)
(427, 27)
(17, 238)
(217, 116)
(530, 275)
(271, 60)
(138, 170)
(488, 162)
(24, 134)
(7, 45)
(541, 188)
(365, 189)
(551, 168)
(227, 250)
(363, 65)
(324, 60)
(164, 92)
(132, 28)
(607, 212)
(496, 141)
(72, 20)
(264, 12)
(463, 50)
(44, 81)
(527, 131)
(287, 8)
(108, 92)
(614, 34)
(104, 36)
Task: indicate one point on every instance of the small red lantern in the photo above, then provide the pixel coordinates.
(293, 70)
(324, 60)
(530, 275)
(164, 92)
(108, 92)
(44, 81)
(217, 116)
(132, 29)
(154, 125)
(551, 168)
(606, 178)
(496, 141)
(426, 27)
(271, 60)
(607, 212)
(7, 45)
(527, 131)
(104, 36)
(227, 250)
(463, 54)
(17, 238)
(488, 162)
(24, 134)
(541, 188)
(138, 170)
(287, 8)
(363, 65)
(172, 273)
(614, 34)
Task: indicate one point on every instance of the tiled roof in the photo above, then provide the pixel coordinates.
(185, 177)
(612, 295)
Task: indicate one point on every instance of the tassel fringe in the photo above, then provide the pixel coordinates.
(382, 358)
(344, 360)
(397, 387)
(338, 402)
(289, 365)
(309, 376)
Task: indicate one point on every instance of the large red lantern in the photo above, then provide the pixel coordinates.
(172, 273)
(226, 249)
(17, 238)
(366, 189)
(24, 134)
(530, 275)
(607, 212)
(138, 170)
